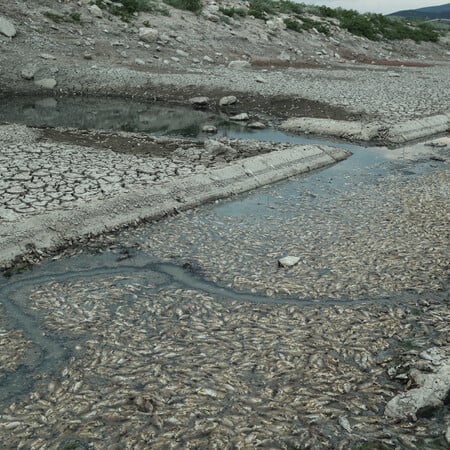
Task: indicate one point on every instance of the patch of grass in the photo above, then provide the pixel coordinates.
(306, 24)
(261, 9)
(61, 18)
(126, 9)
(231, 12)
(187, 5)
(225, 19)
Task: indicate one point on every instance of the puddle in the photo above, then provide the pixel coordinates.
(109, 114)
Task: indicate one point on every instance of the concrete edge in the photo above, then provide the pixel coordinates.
(58, 228)
(399, 133)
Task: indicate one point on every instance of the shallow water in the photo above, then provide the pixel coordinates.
(51, 350)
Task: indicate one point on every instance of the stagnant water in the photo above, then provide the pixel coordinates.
(50, 351)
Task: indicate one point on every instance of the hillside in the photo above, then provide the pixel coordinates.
(429, 13)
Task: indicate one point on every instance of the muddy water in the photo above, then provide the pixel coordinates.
(110, 114)
(51, 351)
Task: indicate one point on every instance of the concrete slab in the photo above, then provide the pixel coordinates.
(54, 229)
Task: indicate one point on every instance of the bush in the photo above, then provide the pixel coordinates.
(261, 8)
(306, 24)
(127, 8)
(188, 5)
(231, 12)
(59, 18)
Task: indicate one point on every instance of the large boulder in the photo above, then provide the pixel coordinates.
(431, 392)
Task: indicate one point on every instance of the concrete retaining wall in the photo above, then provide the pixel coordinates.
(53, 229)
(398, 133)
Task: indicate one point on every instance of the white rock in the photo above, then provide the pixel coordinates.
(288, 261)
(216, 148)
(95, 11)
(7, 28)
(433, 389)
(228, 100)
(206, 58)
(209, 129)
(46, 83)
(28, 72)
(148, 34)
(47, 56)
(256, 125)
(260, 80)
(182, 53)
(284, 56)
(447, 435)
(240, 117)
(199, 101)
(239, 65)
(139, 62)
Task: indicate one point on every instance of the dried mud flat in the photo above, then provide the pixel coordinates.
(161, 361)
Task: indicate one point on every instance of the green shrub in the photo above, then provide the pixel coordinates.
(261, 8)
(188, 5)
(127, 8)
(306, 24)
(231, 12)
(59, 18)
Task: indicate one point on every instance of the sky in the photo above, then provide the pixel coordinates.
(377, 6)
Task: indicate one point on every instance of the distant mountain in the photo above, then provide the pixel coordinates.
(430, 13)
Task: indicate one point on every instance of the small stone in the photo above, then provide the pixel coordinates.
(209, 129)
(256, 125)
(206, 58)
(447, 435)
(87, 56)
(284, 56)
(239, 65)
(182, 53)
(260, 80)
(28, 72)
(199, 102)
(148, 34)
(47, 56)
(240, 117)
(228, 100)
(46, 83)
(95, 11)
(288, 261)
(7, 28)
(216, 148)
(139, 62)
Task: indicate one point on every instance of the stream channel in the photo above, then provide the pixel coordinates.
(125, 255)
